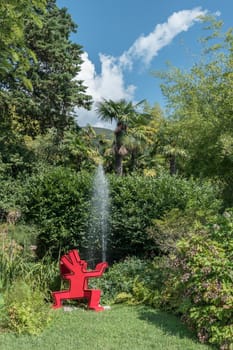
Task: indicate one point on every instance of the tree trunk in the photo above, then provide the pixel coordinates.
(119, 134)
(118, 163)
(172, 163)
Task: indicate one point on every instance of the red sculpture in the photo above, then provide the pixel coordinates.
(75, 270)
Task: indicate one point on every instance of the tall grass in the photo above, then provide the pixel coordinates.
(18, 263)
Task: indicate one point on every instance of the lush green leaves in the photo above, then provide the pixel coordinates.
(137, 201)
(56, 90)
(200, 285)
(201, 112)
(58, 202)
(14, 54)
(25, 309)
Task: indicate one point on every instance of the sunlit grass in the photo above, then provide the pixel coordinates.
(121, 328)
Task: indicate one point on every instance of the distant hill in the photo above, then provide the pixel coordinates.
(108, 133)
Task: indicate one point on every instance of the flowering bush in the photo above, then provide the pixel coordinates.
(200, 288)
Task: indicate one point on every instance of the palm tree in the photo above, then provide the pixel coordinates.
(123, 113)
(170, 144)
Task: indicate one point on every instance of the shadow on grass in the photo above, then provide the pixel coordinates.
(169, 324)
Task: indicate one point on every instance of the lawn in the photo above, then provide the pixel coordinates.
(121, 328)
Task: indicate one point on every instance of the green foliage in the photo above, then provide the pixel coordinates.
(125, 114)
(221, 230)
(55, 91)
(117, 283)
(137, 201)
(198, 131)
(120, 111)
(38, 90)
(200, 288)
(133, 281)
(15, 157)
(11, 195)
(25, 309)
(135, 131)
(58, 202)
(12, 261)
(18, 262)
(75, 150)
(176, 224)
(14, 55)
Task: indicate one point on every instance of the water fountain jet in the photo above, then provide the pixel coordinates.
(99, 214)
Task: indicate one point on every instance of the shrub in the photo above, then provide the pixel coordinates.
(11, 196)
(119, 278)
(176, 224)
(137, 201)
(221, 230)
(25, 309)
(58, 202)
(24, 235)
(200, 288)
(17, 263)
(133, 281)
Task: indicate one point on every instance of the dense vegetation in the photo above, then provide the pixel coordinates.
(170, 229)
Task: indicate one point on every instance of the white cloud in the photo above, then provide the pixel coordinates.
(147, 47)
(110, 83)
(217, 13)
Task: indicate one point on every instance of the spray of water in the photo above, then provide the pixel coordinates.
(98, 224)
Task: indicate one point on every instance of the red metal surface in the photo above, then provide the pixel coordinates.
(74, 270)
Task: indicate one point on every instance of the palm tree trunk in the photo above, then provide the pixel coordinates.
(172, 164)
(118, 163)
(119, 133)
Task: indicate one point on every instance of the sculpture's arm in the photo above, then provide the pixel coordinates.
(99, 270)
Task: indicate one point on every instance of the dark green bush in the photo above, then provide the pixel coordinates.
(133, 280)
(137, 201)
(58, 203)
(120, 277)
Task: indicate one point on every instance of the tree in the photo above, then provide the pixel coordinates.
(200, 102)
(56, 92)
(75, 150)
(122, 112)
(14, 54)
(169, 145)
(142, 136)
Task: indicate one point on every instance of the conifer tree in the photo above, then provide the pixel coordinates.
(55, 91)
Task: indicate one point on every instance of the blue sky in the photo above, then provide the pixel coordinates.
(124, 41)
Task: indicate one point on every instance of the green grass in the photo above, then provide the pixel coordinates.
(121, 328)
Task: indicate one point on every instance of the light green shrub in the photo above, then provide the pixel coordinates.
(25, 311)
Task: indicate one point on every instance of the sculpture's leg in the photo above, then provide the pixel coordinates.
(58, 297)
(93, 297)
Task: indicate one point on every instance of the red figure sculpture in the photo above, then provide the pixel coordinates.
(75, 270)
